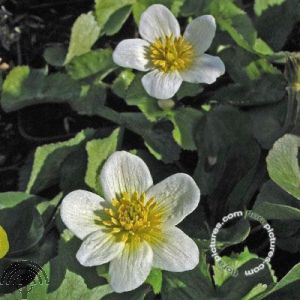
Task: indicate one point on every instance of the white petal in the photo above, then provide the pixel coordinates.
(177, 253)
(131, 268)
(177, 195)
(98, 248)
(206, 69)
(158, 21)
(161, 85)
(132, 54)
(78, 212)
(200, 33)
(124, 172)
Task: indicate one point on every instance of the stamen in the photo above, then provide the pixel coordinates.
(171, 54)
(132, 217)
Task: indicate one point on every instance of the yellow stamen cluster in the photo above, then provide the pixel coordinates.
(132, 218)
(171, 54)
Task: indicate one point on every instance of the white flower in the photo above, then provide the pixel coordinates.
(134, 228)
(170, 57)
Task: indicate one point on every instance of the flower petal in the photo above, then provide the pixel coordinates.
(78, 212)
(98, 248)
(176, 253)
(131, 268)
(177, 195)
(200, 33)
(124, 172)
(205, 69)
(161, 85)
(132, 54)
(158, 21)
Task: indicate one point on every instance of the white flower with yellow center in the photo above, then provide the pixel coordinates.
(134, 228)
(170, 57)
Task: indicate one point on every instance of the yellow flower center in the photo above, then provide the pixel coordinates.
(171, 54)
(132, 218)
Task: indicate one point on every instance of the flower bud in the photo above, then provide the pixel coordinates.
(166, 104)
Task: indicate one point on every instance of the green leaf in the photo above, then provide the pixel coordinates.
(74, 163)
(276, 204)
(265, 90)
(138, 294)
(136, 95)
(98, 151)
(30, 227)
(24, 87)
(278, 211)
(192, 8)
(105, 10)
(48, 207)
(122, 82)
(223, 139)
(282, 164)
(269, 117)
(85, 33)
(55, 55)
(91, 63)
(287, 286)
(261, 5)
(92, 97)
(237, 24)
(258, 289)
(116, 21)
(11, 199)
(155, 280)
(185, 121)
(235, 21)
(195, 284)
(157, 137)
(288, 241)
(241, 285)
(64, 278)
(189, 90)
(140, 6)
(233, 234)
(234, 261)
(243, 66)
(159, 170)
(48, 160)
(282, 19)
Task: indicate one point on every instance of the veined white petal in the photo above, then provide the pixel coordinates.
(124, 172)
(206, 69)
(98, 248)
(158, 22)
(78, 212)
(200, 33)
(178, 195)
(176, 253)
(131, 268)
(132, 54)
(161, 85)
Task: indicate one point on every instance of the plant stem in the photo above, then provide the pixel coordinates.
(293, 110)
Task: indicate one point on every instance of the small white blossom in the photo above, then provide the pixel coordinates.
(170, 57)
(134, 227)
